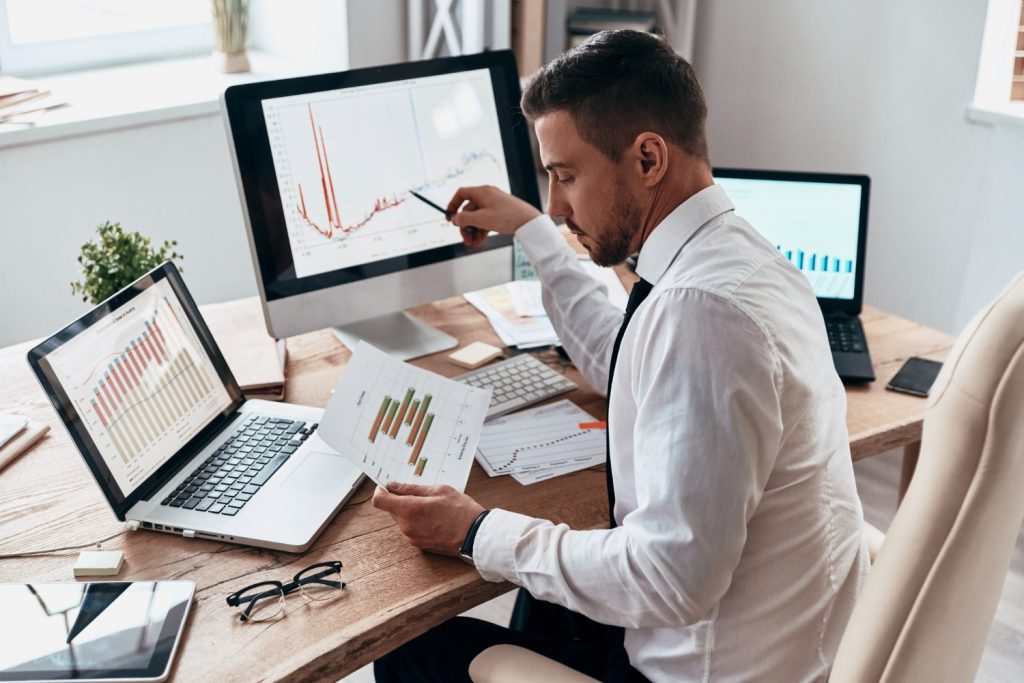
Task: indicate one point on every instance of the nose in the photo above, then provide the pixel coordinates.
(558, 205)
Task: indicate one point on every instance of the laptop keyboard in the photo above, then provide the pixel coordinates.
(845, 334)
(234, 473)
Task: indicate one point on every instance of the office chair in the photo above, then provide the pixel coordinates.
(929, 599)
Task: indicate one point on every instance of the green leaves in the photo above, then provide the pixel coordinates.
(116, 259)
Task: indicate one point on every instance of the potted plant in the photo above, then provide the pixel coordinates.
(231, 18)
(115, 260)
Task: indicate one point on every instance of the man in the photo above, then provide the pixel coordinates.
(735, 551)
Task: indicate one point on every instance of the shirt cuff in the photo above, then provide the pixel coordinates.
(494, 549)
(540, 238)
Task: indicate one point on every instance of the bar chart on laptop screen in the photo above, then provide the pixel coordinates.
(346, 161)
(141, 383)
(814, 225)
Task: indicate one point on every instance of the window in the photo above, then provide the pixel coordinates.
(54, 35)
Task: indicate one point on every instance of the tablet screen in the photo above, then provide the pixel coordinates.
(89, 631)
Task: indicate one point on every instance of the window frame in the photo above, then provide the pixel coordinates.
(73, 54)
(993, 85)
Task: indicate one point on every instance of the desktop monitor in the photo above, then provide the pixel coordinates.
(818, 221)
(325, 167)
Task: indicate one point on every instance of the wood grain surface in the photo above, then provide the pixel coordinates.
(48, 499)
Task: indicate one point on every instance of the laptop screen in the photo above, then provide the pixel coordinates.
(817, 221)
(136, 379)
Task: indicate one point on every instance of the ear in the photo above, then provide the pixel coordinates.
(651, 154)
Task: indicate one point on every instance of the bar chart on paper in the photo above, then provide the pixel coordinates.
(141, 382)
(401, 423)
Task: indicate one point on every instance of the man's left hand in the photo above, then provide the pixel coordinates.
(433, 518)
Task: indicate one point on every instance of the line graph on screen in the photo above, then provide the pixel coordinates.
(333, 226)
(346, 161)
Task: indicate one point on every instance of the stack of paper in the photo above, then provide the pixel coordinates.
(516, 312)
(22, 101)
(256, 359)
(525, 332)
(542, 443)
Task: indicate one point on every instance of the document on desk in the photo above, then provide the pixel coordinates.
(542, 443)
(401, 423)
(513, 329)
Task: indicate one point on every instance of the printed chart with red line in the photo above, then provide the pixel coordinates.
(141, 383)
(346, 161)
(400, 423)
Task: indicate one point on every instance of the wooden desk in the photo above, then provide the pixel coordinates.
(49, 499)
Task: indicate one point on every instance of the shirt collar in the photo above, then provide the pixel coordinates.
(669, 236)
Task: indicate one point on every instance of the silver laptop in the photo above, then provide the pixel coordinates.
(152, 406)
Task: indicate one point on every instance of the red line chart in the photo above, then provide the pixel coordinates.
(335, 226)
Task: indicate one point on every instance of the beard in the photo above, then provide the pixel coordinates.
(616, 236)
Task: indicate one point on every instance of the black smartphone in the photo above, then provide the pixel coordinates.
(915, 377)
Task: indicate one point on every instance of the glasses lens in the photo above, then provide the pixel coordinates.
(320, 591)
(267, 603)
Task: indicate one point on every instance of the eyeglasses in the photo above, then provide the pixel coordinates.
(265, 600)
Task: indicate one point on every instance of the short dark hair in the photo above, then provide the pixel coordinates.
(618, 84)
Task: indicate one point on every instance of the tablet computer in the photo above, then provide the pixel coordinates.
(98, 631)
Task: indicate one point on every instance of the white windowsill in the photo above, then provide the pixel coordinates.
(1011, 113)
(140, 94)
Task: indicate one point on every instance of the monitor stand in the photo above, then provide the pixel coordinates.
(397, 334)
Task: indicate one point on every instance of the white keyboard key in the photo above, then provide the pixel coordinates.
(518, 382)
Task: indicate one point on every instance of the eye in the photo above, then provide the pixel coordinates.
(563, 180)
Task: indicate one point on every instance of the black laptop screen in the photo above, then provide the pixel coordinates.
(817, 221)
(136, 380)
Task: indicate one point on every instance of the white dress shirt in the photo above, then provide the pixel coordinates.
(739, 549)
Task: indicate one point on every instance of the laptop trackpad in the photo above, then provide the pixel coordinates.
(319, 472)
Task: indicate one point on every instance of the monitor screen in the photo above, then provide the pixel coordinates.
(816, 223)
(346, 160)
(327, 165)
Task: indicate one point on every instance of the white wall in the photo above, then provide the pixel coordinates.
(168, 181)
(879, 88)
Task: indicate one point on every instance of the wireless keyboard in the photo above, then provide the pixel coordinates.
(518, 382)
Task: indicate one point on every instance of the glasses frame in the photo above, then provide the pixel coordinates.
(280, 589)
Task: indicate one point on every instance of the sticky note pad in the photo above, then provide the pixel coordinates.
(99, 563)
(474, 355)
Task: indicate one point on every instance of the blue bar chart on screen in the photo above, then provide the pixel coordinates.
(814, 225)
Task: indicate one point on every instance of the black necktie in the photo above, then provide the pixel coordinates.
(636, 297)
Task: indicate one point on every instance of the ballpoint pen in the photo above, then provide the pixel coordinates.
(447, 214)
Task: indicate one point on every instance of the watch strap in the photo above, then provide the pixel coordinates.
(466, 550)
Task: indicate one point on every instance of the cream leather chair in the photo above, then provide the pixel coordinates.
(926, 608)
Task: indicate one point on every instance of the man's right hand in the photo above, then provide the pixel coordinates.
(487, 208)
